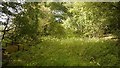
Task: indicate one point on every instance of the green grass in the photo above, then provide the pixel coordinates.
(68, 52)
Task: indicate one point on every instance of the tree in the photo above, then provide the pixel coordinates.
(9, 10)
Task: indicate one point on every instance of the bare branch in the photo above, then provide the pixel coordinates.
(4, 31)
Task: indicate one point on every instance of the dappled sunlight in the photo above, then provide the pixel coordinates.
(60, 33)
(72, 51)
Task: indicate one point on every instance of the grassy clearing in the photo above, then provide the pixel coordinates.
(68, 52)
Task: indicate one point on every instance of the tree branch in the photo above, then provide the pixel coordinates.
(4, 31)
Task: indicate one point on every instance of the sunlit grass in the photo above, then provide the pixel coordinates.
(69, 52)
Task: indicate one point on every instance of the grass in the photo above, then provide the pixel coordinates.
(68, 52)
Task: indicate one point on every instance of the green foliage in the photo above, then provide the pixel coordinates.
(73, 40)
(57, 6)
(55, 29)
(92, 19)
(68, 52)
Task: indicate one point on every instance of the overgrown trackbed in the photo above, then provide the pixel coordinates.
(68, 52)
